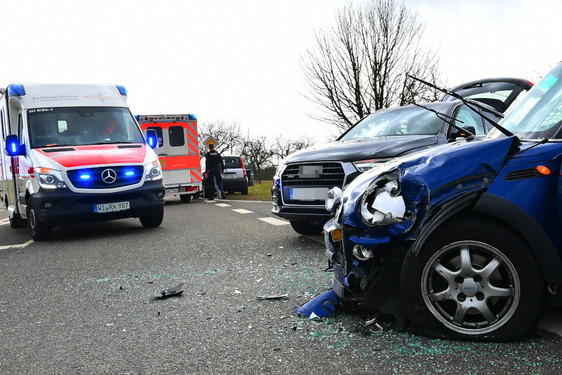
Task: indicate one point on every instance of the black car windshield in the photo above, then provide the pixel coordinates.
(539, 115)
(409, 120)
(75, 126)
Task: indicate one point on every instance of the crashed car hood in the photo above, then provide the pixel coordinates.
(433, 175)
(381, 147)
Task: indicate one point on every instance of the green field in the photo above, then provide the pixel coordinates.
(258, 192)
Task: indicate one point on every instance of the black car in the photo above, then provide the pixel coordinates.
(303, 179)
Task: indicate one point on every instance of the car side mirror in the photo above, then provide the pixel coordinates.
(13, 146)
(152, 138)
(467, 132)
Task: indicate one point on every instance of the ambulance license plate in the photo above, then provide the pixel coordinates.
(111, 207)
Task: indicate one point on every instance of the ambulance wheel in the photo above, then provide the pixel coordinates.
(473, 279)
(244, 191)
(185, 197)
(154, 220)
(39, 231)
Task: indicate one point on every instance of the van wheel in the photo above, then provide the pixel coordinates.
(38, 230)
(244, 191)
(185, 197)
(307, 227)
(152, 221)
(473, 280)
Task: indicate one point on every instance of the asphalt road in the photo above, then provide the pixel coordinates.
(83, 303)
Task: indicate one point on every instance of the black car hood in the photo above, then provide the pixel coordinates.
(347, 151)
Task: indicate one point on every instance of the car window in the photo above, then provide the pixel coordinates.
(176, 136)
(231, 162)
(470, 118)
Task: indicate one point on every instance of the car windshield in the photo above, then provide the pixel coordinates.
(539, 115)
(410, 120)
(76, 126)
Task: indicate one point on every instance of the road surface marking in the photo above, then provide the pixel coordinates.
(273, 221)
(223, 205)
(242, 211)
(5, 221)
(20, 246)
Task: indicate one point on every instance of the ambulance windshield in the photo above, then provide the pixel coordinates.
(75, 126)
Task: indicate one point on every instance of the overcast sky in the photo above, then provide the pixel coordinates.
(238, 60)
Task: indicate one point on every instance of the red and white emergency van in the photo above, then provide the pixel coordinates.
(178, 151)
(74, 153)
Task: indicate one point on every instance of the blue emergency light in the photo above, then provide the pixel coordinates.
(13, 146)
(85, 176)
(152, 138)
(129, 173)
(16, 90)
(122, 90)
(192, 117)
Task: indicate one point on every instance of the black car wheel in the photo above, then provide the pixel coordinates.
(154, 220)
(39, 231)
(475, 280)
(307, 227)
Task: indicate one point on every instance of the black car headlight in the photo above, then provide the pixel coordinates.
(382, 202)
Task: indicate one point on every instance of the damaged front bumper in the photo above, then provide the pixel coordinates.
(366, 268)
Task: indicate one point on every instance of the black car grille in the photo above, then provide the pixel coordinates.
(105, 178)
(310, 175)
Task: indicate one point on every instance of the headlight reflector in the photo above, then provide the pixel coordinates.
(382, 203)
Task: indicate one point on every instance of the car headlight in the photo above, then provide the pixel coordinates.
(333, 200)
(365, 165)
(49, 178)
(382, 203)
(154, 171)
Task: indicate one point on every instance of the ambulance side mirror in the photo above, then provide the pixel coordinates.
(152, 138)
(13, 146)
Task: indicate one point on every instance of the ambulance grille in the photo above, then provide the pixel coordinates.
(105, 177)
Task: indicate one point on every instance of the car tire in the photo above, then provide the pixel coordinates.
(244, 191)
(474, 279)
(185, 197)
(38, 230)
(154, 220)
(307, 227)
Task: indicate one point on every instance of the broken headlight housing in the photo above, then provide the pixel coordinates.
(382, 203)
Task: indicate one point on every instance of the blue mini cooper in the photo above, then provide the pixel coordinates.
(463, 240)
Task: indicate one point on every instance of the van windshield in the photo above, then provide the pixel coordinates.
(539, 115)
(408, 120)
(75, 126)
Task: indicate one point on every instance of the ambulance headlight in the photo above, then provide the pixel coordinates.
(49, 178)
(154, 171)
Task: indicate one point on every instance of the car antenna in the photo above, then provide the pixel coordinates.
(470, 103)
(451, 120)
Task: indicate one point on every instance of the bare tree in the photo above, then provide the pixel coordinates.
(361, 64)
(227, 135)
(283, 147)
(257, 152)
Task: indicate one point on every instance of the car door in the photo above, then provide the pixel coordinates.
(499, 93)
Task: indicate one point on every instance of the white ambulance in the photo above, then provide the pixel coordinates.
(178, 151)
(74, 153)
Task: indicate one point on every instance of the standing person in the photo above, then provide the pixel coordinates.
(215, 168)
